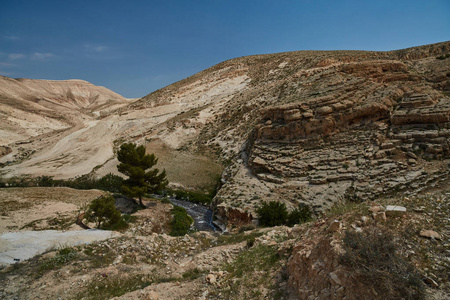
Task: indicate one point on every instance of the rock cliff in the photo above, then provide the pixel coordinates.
(356, 126)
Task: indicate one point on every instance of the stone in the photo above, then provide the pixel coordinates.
(335, 278)
(364, 219)
(324, 110)
(412, 161)
(379, 216)
(376, 208)
(431, 234)
(395, 211)
(292, 115)
(152, 295)
(431, 282)
(211, 278)
(335, 226)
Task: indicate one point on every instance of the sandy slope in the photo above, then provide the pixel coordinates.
(89, 142)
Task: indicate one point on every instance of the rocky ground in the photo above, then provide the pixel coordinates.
(302, 262)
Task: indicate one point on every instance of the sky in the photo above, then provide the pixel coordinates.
(136, 47)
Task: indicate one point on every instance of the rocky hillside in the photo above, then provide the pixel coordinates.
(356, 251)
(316, 126)
(307, 126)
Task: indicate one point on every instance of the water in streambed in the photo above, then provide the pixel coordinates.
(202, 215)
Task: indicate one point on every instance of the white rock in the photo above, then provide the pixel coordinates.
(431, 234)
(395, 211)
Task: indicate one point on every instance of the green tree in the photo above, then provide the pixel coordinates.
(103, 212)
(134, 163)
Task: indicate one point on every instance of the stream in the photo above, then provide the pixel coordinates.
(201, 214)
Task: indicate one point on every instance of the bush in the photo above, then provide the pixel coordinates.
(181, 221)
(191, 196)
(373, 256)
(272, 213)
(109, 182)
(302, 214)
(103, 212)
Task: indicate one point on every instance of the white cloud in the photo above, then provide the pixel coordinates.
(14, 56)
(11, 37)
(41, 56)
(95, 48)
(6, 64)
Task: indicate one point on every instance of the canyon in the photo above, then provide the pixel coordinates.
(321, 128)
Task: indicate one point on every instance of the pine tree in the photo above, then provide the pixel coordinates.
(134, 163)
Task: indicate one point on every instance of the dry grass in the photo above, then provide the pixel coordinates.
(190, 170)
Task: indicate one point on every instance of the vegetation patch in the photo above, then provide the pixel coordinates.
(225, 239)
(373, 255)
(8, 206)
(102, 211)
(181, 221)
(63, 256)
(275, 213)
(192, 196)
(252, 273)
(109, 182)
(108, 287)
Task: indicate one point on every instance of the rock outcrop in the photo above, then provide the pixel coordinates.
(354, 127)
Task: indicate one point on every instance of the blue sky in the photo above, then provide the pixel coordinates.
(136, 47)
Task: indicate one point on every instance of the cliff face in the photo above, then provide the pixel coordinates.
(356, 127)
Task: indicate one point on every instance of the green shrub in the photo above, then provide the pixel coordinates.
(192, 196)
(181, 221)
(227, 239)
(103, 212)
(272, 213)
(374, 257)
(302, 214)
(109, 182)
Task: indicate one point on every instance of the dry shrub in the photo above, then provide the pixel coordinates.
(373, 256)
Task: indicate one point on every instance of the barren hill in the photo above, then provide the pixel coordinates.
(307, 126)
(33, 107)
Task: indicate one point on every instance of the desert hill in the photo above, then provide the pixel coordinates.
(34, 107)
(307, 126)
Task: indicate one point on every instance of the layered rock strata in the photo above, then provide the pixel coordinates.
(357, 130)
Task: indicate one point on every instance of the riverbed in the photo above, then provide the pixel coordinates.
(202, 215)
